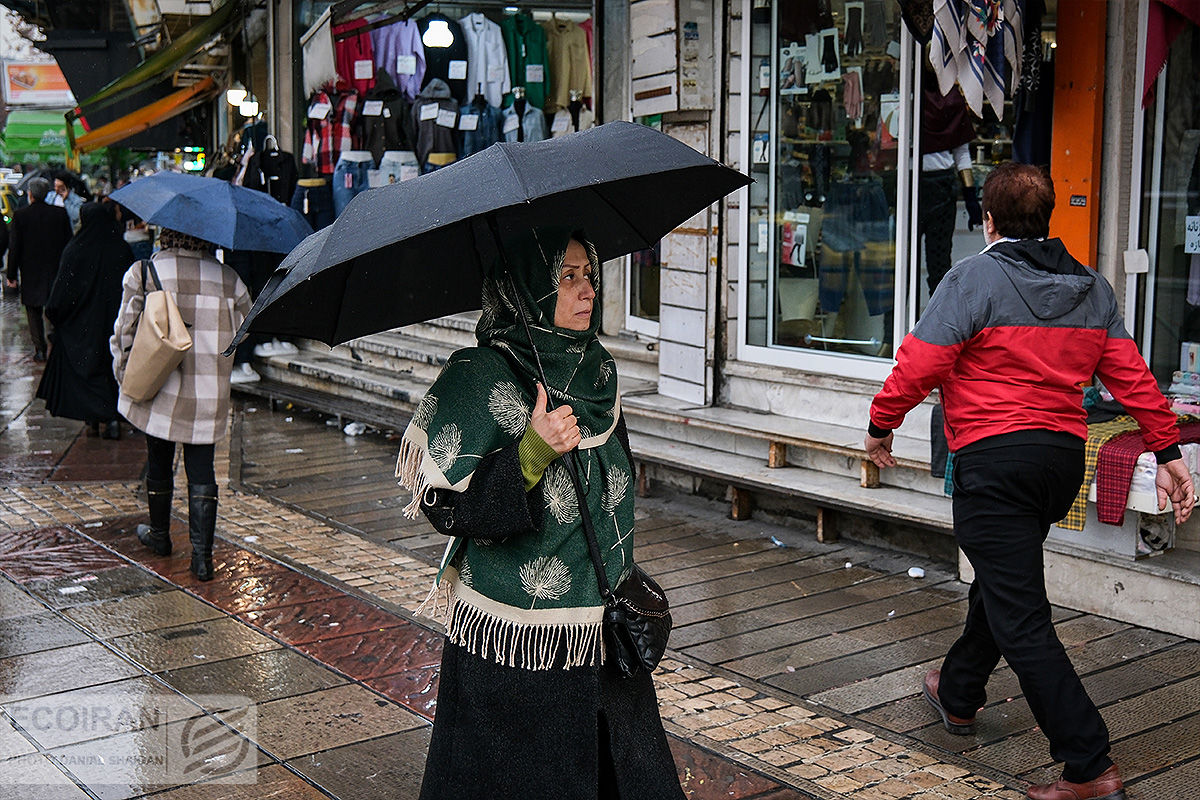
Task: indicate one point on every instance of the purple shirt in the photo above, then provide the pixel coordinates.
(401, 38)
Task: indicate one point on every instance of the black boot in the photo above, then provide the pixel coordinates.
(157, 535)
(202, 523)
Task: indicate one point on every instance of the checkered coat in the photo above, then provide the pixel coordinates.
(193, 405)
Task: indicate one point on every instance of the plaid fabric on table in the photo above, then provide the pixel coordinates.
(1098, 435)
(1115, 465)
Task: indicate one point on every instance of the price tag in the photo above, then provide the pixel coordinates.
(406, 65)
(458, 70)
(407, 173)
(535, 73)
(561, 121)
(495, 73)
(372, 108)
(447, 117)
(429, 111)
(468, 122)
(364, 70)
(1191, 235)
(319, 110)
(510, 123)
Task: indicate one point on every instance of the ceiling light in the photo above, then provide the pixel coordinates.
(235, 94)
(438, 34)
(248, 108)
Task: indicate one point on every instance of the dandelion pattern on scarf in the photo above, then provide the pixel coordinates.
(615, 487)
(464, 573)
(606, 369)
(545, 578)
(560, 495)
(425, 412)
(445, 447)
(508, 408)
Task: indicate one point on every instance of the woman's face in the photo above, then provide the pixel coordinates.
(575, 292)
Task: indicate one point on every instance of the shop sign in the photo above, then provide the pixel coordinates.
(36, 83)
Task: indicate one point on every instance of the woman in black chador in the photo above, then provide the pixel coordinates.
(78, 382)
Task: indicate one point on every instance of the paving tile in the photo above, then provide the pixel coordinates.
(34, 539)
(176, 753)
(62, 669)
(260, 677)
(339, 616)
(57, 562)
(114, 618)
(390, 766)
(12, 743)
(376, 653)
(297, 726)
(35, 776)
(415, 689)
(16, 603)
(119, 582)
(95, 712)
(282, 587)
(273, 782)
(193, 643)
(29, 634)
(705, 776)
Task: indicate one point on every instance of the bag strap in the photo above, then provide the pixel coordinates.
(148, 264)
(572, 466)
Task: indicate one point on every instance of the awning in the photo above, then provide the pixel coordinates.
(163, 63)
(157, 112)
(34, 136)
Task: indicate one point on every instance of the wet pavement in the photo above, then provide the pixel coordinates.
(302, 670)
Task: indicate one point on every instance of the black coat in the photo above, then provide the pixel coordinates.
(38, 235)
(78, 380)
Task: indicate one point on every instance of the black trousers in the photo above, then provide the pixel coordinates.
(937, 205)
(1005, 500)
(37, 328)
(197, 461)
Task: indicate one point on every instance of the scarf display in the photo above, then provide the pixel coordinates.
(978, 44)
(531, 601)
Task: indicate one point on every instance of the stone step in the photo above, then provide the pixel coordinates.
(635, 359)
(341, 377)
(456, 330)
(822, 489)
(400, 353)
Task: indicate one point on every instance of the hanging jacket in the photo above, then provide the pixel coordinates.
(530, 126)
(355, 55)
(441, 62)
(569, 63)
(487, 60)
(274, 172)
(1010, 335)
(433, 137)
(525, 42)
(390, 127)
(399, 51)
(485, 131)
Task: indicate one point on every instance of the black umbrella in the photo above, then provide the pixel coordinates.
(416, 250)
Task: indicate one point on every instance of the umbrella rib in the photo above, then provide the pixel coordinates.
(595, 191)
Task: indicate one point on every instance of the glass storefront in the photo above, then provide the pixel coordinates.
(826, 116)
(1170, 292)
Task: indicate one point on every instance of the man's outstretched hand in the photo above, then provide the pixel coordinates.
(880, 450)
(1174, 483)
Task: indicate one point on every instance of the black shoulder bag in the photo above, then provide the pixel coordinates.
(637, 616)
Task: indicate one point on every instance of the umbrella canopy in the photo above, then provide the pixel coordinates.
(229, 216)
(412, 251)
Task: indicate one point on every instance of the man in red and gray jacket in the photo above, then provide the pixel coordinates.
(1011, 335)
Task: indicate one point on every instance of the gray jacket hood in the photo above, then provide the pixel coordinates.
(1050, 281)
(436, 89)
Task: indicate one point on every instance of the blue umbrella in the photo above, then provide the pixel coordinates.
(230, 216)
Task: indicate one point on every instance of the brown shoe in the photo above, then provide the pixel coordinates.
(956, 725)
(1106, 787)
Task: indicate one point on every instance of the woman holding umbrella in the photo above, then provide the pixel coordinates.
(192, 408)
(526, 706)
(78, 381)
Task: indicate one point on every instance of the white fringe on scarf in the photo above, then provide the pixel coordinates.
(408, 470)
(514, 642)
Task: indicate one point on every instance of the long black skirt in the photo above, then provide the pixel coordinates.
(585, 733)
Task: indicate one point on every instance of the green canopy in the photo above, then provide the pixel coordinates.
(32, 136)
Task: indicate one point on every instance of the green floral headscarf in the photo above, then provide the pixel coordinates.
(531, 601)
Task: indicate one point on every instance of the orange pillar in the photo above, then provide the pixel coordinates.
(1078, 125)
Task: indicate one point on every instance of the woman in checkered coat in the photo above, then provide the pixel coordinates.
(192, 408)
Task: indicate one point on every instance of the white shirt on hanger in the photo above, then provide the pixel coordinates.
(487, 60)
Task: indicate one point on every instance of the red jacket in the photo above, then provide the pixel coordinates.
(1012, 336)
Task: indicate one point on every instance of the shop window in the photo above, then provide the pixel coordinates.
(1171, 218)
(825, 131)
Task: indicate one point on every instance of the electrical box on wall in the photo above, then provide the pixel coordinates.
(672, 55)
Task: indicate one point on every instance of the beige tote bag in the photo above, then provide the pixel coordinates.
(159, 344)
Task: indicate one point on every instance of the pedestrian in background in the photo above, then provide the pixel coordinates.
(137, 234)
(1010, 336)
(527, 707)
(38, 234)
(67, 198)
(83, 304)
(192, 408)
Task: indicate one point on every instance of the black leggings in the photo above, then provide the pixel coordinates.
(197, 461)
